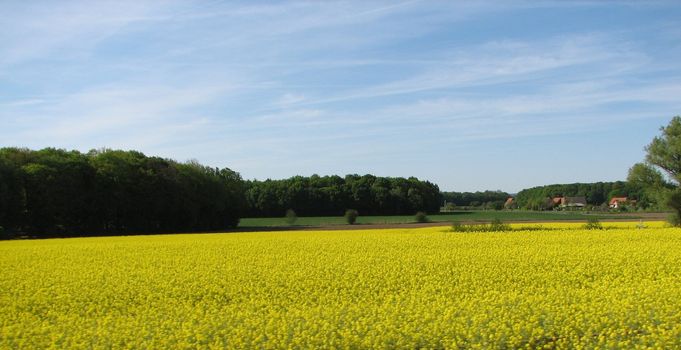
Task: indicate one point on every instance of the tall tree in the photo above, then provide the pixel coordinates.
(664, 153)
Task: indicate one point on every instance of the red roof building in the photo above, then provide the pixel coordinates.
(617, 202)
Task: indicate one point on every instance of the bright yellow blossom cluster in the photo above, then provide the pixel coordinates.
(562, 287)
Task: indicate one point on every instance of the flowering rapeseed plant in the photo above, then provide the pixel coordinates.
(558, 287)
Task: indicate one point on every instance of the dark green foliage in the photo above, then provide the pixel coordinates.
(331, 195)
(351, 216)
(538, 198)
(664, 153)
(496, 205)
(421, 217)
(487, 199)
(56, 192)
(656, 189)
(498, 225)
(291, 217)
(665, 150)
(469, 228)
(457, 226)
(593, 224)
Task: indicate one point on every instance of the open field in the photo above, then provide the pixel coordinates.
(464, 216)
(403, 288)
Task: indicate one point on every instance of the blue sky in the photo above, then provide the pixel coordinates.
(469, 95)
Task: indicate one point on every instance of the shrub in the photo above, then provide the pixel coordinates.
(421, 217)
(477, 227)
(593, 224)
(458, 227)
(495, 226)
(674, 220)
(351, 216)
(291, 217)
(498, 225)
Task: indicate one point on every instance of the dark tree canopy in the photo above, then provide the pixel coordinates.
(57, 192)
(333, 195)
(494, 199)
(54, 192)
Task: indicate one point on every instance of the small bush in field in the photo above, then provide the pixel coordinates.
(291, 217)
(351, 216)
(457, 226)
(497, 225)
(593, 224)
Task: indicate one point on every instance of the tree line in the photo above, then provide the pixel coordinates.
(660, 174)
(596, 194)
(484, 199)
(53, 192)
(333, 195)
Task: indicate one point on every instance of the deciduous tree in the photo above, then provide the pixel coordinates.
(663, 153)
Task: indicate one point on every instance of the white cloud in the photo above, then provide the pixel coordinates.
(290, 98)
(496, 63)
(37, 30)
(22, 102)
(102, 116)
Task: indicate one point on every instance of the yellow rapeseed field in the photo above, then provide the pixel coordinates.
(558, 287)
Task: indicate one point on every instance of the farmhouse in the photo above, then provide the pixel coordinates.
(510, 203)
(569, 202)
(579, 202)
(618, 202)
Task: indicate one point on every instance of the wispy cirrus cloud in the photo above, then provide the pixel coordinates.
(38, 29)
(106, 115)
(496, 63)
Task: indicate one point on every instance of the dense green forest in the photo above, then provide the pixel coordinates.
(332, 195)
(486, 199)
(596, 194)
(58, 192)
(53, 192)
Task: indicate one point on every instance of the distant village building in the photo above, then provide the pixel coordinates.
(510, 203)
(575, 202)
(618, 202)
(569, 202)
(557, 201)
